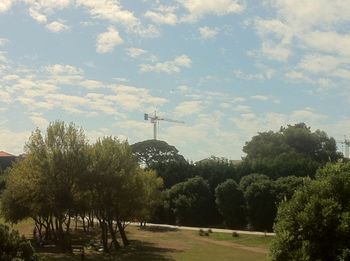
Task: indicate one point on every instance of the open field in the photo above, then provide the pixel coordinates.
(159, 243)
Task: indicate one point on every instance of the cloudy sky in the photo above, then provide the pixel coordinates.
(228, 68)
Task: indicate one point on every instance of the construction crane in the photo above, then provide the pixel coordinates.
(154, 119)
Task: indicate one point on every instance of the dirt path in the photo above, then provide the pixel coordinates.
(229, 244)
(220, 230)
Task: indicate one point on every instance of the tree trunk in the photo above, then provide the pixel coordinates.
(122, 233)
(113, 235)
(104, 235)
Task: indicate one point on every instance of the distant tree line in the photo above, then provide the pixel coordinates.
(216, 191)
(63, 180)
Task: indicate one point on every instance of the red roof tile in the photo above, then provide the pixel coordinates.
(5, 154)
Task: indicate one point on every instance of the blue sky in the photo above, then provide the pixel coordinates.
(228, 68)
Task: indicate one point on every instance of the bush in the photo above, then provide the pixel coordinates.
(315, 223)
(203, 233)
(13, 246)
(235, 234)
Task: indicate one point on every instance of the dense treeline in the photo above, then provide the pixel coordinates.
(63, 179)
(216, 191)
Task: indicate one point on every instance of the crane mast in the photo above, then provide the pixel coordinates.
(154, 119)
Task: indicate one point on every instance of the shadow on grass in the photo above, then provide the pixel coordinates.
(137, 250)
(159, 229)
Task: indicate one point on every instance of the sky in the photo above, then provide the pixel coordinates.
(227, 68)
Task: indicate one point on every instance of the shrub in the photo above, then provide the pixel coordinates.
(14, 247)
(235, 234)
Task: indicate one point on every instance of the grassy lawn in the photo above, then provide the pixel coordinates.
(247, 240)
(164, 244)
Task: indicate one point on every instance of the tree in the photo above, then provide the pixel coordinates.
(151, 152)
(315, 223)
(286, 186)
(14, 247)
(44, 184)
(190, 202)
(293, 150)
(231, 204)
(260, 195)
(121, 190)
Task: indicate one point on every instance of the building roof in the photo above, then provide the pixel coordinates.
(5, 154)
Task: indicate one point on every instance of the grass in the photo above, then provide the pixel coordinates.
(247, 240)
(163, 244)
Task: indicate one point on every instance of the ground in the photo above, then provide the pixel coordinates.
(162, 244)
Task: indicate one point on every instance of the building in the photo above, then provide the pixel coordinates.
(6, 160)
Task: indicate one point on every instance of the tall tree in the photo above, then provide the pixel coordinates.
(231, 204)
(43, 185)
(190, 202)
(151, 152)
(121, 190)
(260, 195)
(293, 150)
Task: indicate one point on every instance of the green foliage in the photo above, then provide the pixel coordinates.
(294, 150)
(173, 172)
(62, 177)
(231, 204)
(188, 201)
(260, 196)
(121, 190)
(286, 186)
(235, 234)
(14, 247)
(315, 223)
(151, 152)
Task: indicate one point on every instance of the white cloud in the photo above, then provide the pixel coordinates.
(304, 15)
(57, 26)
(3, 41)
(5, 96)
(5, 5)
(112, 10)
(62, 69)
(330, 42)
(37, 16)
(259, 97)
(91, 84)
(49, 5)
(174, 66)
(276, 52)
(295, 75)
(317, 63)
(246, 76)
(199, 8)
(133, 98)
(243, 108)
(107, 41)
(188, 108)
(207, 32)
(109, 10)
(38, 120)
(163, 15)
(135, 52)
(13, 142)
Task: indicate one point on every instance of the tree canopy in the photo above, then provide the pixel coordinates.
(63, 177)
(293, 150)
(315, 223)
(231, 204)
(151, 152)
